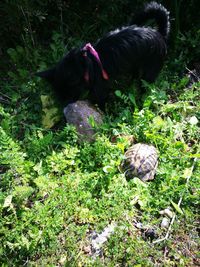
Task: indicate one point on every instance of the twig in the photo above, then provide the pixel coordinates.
(4, 101)
(27, 19)
(179, 203)
(5, 96)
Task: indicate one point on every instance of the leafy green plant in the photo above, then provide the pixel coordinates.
(56, 193)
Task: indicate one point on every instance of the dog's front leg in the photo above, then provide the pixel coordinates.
(100, 94)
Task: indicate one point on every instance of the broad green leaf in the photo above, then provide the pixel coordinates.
(121, 146)
(195, 156)
(177, 208)
(139, 183)
(132, 99)
(92, 121)
(50, 113)
(8, 201)
(158, 122)
(107, 169)
(187, 173)
(118, 93)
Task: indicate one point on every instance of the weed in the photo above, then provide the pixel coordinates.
(55, 192)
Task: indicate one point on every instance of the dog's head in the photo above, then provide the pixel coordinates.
(77, 72)
(67, 77)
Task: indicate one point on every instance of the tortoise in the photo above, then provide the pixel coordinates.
(141, 160)
(78, 114)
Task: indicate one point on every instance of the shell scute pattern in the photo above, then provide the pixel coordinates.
(141, 160)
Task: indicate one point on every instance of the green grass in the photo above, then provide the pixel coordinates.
(55, 192)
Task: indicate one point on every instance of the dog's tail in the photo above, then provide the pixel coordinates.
(159, 13)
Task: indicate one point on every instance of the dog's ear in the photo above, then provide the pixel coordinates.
(47, 74)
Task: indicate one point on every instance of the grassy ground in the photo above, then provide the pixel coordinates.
(56, 193)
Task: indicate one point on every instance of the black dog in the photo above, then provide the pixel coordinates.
(134, 51)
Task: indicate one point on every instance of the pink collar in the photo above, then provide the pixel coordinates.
(90, 48)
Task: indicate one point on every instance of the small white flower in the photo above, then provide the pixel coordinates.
(193, 120)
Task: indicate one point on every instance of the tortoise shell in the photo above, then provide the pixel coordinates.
(141, 160)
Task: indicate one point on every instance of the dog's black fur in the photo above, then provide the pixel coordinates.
(134, 51)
